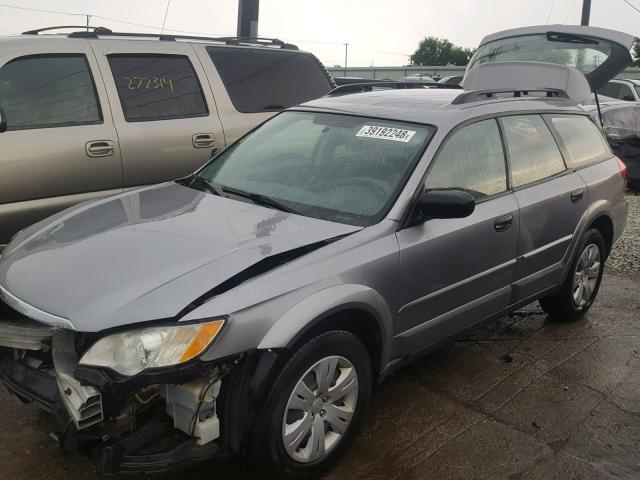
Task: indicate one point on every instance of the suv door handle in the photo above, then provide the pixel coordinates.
(576, 195)
(203, 140)
(100, 148)
(503, 223)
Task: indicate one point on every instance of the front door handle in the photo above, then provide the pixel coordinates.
(100, 148)
(203, 140)
(503, 223)
(576, 195)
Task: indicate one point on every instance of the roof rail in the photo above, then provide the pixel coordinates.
(480, 95)
(371, 86)
(85, 28)
(96, 32)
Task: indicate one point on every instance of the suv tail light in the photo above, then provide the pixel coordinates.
(623, 169)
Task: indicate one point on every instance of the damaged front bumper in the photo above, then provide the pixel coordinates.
(148, 423)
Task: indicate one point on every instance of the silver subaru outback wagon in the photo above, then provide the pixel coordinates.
(251, 307)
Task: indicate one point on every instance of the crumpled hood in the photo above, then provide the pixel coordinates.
(147, 254)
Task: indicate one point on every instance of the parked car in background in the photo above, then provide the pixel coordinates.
(418, 77)
(251, 307)
(451, 80)
(621, 125)
(627, 90)
(90, 114)
(351, 80)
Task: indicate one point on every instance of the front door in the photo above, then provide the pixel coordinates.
(456, 272)
(61, 146)
(164, 109)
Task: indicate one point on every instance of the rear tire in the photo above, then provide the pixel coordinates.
(581, 286)
(306, 423)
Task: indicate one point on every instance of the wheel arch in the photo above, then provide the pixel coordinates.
(604, 224)
(355, 308)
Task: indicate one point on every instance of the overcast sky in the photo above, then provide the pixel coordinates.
(379, 32)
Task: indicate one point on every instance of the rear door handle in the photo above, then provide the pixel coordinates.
(576, 195)
(203, 140)
(100, 148)
(503, 223)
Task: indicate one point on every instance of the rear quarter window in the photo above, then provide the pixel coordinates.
(262, 80)
(582, 140)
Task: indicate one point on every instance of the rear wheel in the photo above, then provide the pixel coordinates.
(314, 407)
(583, 282)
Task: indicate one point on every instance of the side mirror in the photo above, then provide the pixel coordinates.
(3, 121)
(443, 203)
(628, 98)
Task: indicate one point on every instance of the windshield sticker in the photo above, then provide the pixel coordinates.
(386, 133)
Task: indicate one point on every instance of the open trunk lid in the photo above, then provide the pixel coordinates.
(600, 54)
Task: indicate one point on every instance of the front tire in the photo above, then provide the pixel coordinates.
(314, 407)
(582, 283)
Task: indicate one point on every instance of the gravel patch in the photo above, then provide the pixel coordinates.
(625, 257)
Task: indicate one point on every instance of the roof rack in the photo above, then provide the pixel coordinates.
(96, 32)
(480, 95)
(371, 86)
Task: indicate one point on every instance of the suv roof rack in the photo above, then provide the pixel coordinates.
(96, 32)
(371, 86)
(480, 95)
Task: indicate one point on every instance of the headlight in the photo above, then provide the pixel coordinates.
(130, 353)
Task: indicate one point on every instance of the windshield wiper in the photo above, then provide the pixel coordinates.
(200, 182)
(258, 199)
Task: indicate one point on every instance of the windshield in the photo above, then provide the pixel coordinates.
(586, 56)
(335, 167)
(637, 87)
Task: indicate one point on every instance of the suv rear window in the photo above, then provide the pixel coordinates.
(581, 138)
(157, 87)
(44, 91)
(263, 80)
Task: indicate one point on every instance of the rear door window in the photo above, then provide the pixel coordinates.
(472, 159)
(611, 89)
(263, 80)
(533, 152)
(626, 93)
(582, 140)
(44, 91)
(157, 87)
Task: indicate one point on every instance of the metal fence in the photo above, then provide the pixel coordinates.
(396, 73)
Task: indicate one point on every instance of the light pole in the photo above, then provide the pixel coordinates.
(586, 12)
(346, 56)
(248, 18)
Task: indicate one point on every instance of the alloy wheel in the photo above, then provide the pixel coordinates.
(320, 409)
(585, 278)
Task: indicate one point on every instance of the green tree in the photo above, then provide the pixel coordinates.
(440, 52)
(636, 54)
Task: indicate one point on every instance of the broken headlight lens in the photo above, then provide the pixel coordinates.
(130, 353)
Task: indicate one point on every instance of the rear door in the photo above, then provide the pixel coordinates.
(164, 110)
(600, 54)
(61, 146)
(552, 201)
